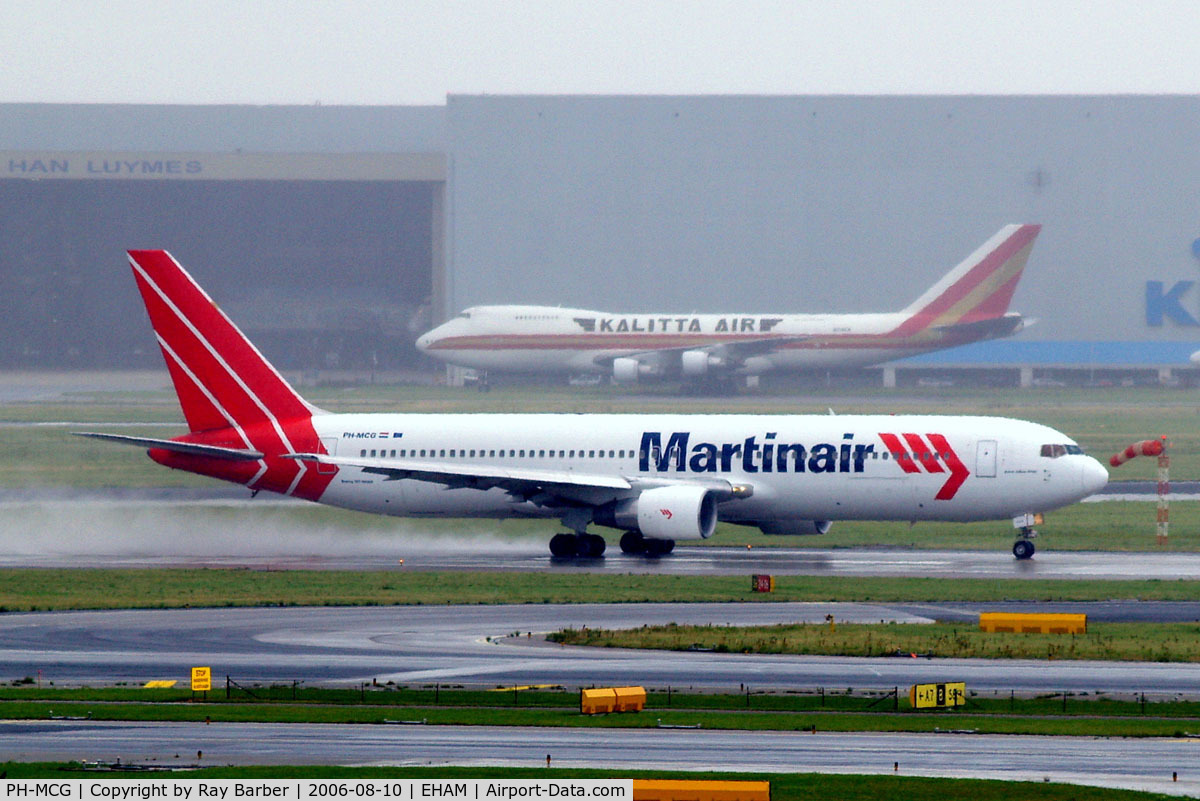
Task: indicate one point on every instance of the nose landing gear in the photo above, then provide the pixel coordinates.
(1024, 547)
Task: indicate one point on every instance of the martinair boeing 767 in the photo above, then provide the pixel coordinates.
(970, 303)
(656, 477)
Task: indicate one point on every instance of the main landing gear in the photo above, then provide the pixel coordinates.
(1024, 548)
(634, 543)
(587, 546)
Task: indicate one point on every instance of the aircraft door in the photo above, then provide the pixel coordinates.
(985, 459)
(330, 444)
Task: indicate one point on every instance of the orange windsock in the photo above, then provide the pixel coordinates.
(1147, 447)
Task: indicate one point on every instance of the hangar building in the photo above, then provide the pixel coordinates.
(334, 235)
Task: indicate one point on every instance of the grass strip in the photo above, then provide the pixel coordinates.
(912, 722)
(33, 589)
(784, 786)
(1134, 642)
(814, 700)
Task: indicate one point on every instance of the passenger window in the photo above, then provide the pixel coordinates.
(612, 454)
(542, 454)
(363, 452)
(372, 453)
(591, 454)
(443, 452)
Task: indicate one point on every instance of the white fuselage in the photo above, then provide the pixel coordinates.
(968, 304)
(548, 339)
(800, 467)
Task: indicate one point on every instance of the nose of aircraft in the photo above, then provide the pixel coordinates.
(1092, 476)
(427, 340)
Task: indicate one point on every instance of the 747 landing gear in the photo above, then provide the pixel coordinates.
(587, 546)
(1024, 548)
(634, 543)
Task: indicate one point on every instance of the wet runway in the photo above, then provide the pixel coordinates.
(275, 550)
(222, 528)
(1142, 764)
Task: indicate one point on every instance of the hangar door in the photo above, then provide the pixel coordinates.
(323, 273)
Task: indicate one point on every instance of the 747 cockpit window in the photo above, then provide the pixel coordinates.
(1055, 451)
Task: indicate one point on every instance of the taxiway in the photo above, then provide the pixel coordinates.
(498, 645)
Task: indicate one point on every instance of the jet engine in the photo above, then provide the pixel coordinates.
(795, 527)
(666, 513)
(628, 371)
(696, 363)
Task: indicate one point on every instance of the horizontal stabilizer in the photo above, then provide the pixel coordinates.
(991, 328)
(190, 448)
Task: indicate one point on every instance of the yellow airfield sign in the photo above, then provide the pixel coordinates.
(201, 679)
(933, 696)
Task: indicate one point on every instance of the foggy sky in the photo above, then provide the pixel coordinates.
(386, 52)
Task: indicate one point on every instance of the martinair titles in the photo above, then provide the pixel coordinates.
(970, 303)
(656, 478)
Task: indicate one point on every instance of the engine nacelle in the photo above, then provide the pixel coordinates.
(667, 513)
(628, 371)
(695, 362)
(795, 527)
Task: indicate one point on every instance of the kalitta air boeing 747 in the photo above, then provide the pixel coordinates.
(970, 303)
(656, 477)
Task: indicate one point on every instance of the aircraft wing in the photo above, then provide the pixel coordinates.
(541, 486)
(734, 351)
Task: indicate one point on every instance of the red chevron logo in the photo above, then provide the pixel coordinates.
(935, 456)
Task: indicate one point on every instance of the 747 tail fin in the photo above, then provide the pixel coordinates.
(979, 289)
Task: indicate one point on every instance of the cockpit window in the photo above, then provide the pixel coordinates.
(1055, 451)
(465, 315)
